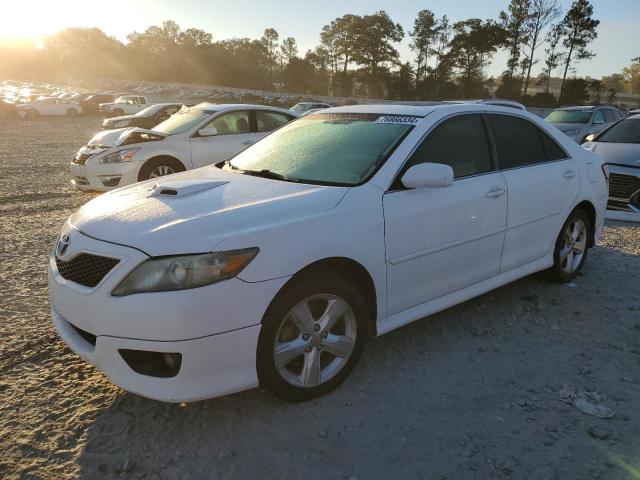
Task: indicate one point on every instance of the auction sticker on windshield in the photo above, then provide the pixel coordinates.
(397, 120)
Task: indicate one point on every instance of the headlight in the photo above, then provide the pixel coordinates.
(572, 131)
(184, 271)
(120, 156)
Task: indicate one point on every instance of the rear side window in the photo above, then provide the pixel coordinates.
(598, 117)
(268, 121)
(552, 149)
(460, 142)
(518, 142)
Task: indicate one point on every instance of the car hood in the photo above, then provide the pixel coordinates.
(119, 119)
(120, 136)
(194, 211)
(563, 127)
(618, 153)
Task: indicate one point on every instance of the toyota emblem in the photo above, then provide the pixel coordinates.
(63, 244)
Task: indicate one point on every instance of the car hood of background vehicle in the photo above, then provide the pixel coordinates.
(204, 207)
(619, 153)
(568, 126)
(119, 136)
(120, 118)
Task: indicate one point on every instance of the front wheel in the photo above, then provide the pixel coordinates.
(159, 167)
(71, 112)
(572, 246)
(312, 337)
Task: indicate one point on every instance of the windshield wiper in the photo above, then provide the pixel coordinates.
(264, 173)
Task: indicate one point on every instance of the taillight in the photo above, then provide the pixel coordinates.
(605, 170)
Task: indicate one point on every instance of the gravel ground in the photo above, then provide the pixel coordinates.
(488, 389)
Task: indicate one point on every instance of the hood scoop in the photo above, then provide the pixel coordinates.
(182, 188)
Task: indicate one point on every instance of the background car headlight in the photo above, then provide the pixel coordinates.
(124, 123)
(120, 156)
(184, 271)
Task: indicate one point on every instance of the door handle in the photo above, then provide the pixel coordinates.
(495, 192)
(247, 142)
(568, 174)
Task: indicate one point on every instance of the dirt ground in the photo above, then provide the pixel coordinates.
(488, 389)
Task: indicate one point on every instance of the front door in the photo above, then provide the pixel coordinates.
(439, 240)
(233, 133)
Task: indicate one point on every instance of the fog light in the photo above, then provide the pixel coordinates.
(153, 364)
(110, 180)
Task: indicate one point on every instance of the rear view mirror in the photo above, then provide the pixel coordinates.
(428, 175)
(207, 132)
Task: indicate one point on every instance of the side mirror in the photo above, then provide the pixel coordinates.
(428, 175)
(207, 132)
(589, 138)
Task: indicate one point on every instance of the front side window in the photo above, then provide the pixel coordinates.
(569, 116)
(269, 121)
(231, 123)
(626, 131)
(460, 142)
(329, 149)
(598, 117)
(517, 140)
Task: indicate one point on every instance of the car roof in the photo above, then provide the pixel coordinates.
(423, 110)
(220, 107)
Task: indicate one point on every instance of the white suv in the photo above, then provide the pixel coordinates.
(49, 106)
(192, 138)
(125, 105)
(344, 224)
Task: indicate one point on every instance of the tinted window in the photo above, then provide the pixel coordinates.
(231, 123)
(517, 141)
(627, 131)
(460, 142)
(268, 121)
(552, 149)
(608, 116)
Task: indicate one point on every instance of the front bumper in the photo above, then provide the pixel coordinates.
(103, 177)
(214, 328)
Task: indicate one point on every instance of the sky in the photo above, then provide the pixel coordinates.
(617, 43)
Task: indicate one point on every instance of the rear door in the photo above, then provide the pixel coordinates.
(542, 184)
(439, 240)
(233, 134)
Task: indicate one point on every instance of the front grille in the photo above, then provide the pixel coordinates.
(623, 186)
(86, 269)
(81, 158)
(80, 181)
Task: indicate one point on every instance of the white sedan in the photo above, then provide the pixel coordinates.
(275, 268)
(192, 138)
(50, 106)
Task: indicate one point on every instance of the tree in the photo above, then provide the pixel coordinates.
(289, 49)
(194, 37)
(579, 29)
(631, 76)
(444, 34)
(576, 91)
(554, 56)
(514, 22)
(473, 44)
(338, 38)
(269, 41)
(423, 35)
(373, 47)
(542, 13)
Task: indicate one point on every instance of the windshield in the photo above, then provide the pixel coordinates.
(569, 116)
(181, 122)
(333, 149)
(147, 112)
(626, 131)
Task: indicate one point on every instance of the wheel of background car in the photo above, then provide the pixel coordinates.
(159, 167)
(572, 246)
(312, 336)
(71, 112)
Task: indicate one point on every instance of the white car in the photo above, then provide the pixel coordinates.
(192, 138)
(124, 105)
(49, 106)
(580, 122)
(306, 106)
(275, 268)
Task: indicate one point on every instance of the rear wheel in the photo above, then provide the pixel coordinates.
(159, 167)
(71, 112)
(572, 246)
(312, 337)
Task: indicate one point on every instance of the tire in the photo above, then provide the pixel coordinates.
(159, 167)
(305, 344)
(572, 247)
(118, 112)
(71, 112)
(32, 113)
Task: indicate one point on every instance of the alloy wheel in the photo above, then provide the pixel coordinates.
(315, 340)
(574, 244)
(161, 171)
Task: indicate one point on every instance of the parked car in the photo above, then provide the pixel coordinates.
(91, 103)
(304, 106)
(275, 268)
(125, 105)
(8, 110)
(492, 101)
(147, 118)
(619, 146)
(47, 106)
(191, 138)
(634, 112)
(579, 122)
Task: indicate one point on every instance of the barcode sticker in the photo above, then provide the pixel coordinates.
(397, 120)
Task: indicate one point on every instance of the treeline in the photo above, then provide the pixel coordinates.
(357, 55)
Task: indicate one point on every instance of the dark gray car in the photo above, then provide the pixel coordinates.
(619, 146)
(579, 122)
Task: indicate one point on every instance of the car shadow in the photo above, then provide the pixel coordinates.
(471, 392)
